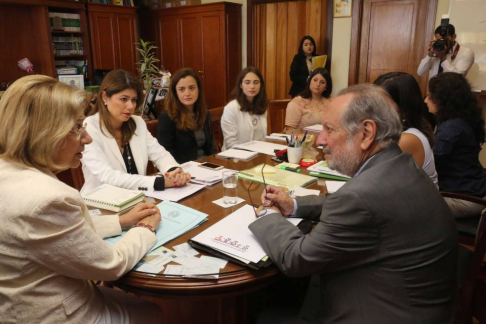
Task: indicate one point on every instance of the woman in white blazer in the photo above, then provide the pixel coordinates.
(50, 247)
(245, 118)
(122, 144)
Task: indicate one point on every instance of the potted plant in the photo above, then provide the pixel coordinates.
(148, 63)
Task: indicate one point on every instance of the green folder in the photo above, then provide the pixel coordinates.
(282, 178)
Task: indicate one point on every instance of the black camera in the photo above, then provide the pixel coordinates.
(442, 43)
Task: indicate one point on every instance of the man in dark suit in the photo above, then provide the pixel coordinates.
(385, 244)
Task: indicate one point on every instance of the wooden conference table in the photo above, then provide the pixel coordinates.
(223, 300)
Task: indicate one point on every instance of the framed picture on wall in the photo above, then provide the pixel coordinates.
(342, 8)
(73, 80)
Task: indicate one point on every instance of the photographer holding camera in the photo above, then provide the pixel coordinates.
(445, 54)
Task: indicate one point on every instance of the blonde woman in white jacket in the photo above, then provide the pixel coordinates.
(51, 248)
(245, 118)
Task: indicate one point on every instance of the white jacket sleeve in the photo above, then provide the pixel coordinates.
(107, 225)
(62, 240)
(462, 62)
(229, 125)
(425, 65)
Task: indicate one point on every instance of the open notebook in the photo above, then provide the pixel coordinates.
(112, 198)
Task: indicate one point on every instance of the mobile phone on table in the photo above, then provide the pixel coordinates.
(210, 166)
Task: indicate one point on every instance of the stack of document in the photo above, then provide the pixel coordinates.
(276, 176)
(231, 239)
(237, 154)
(278, 137)
(321, 170)
(176, 220)
(112, 198)
(203, 176)
(261, 147)
(314, 128)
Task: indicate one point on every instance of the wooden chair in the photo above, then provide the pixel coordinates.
(276, 114)
(152, 128)
(471, 271)
(216, 114)
(72, 177)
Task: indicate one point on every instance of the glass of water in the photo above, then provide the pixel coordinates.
(230, 187)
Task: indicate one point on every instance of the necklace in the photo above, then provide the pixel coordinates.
(129, 158)
(254, 120)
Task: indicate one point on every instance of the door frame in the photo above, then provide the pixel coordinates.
(356, 36)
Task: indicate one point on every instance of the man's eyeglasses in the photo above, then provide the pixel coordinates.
(263, 210)
(78, 130)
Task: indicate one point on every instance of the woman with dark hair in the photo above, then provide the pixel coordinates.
(122, 145)
(307, 108)
(301, 65)
(417, 136)
(458, 140)
(245, 118)
(184, 127)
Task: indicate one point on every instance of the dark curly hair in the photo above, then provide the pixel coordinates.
(307, 93)
(452, 94)
(405, 91)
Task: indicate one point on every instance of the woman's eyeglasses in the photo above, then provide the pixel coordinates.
(78, 130)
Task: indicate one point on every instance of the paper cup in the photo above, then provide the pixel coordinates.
(294, 154)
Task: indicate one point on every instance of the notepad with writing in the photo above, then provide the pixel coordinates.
(237, 154)
(276, 177)
(112, 198)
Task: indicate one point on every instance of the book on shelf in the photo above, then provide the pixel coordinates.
(65, 21)
(112, 198)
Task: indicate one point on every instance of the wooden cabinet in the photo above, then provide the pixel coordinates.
(25, 32)
(206, 38)
(113, 37)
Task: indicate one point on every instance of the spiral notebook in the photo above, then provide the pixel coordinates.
(112, 198)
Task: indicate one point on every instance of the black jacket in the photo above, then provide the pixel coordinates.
(181, 144)
(298, 74)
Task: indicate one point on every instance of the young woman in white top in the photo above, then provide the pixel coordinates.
(122, 145)
(245, 118)
(417, 136)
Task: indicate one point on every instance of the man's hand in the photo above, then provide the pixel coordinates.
(176, 178)
(138, 214)
(276, 196)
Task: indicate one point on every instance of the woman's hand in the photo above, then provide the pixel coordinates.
(138, 214)
(176, 178)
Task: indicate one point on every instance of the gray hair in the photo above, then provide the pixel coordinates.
(372, 102)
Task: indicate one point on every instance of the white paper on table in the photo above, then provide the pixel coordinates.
(94, 212)
(220, 263)
(261, 147)
(333, 186)
(220, 202)
(201, 271)
(278, 137)
(237, 154)
(203, 175)
(300, 192)
(176, 193)
(186, 248)
(231, 235)
(322, 167)
(314, 128)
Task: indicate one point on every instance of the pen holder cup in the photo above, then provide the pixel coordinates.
(294, 154)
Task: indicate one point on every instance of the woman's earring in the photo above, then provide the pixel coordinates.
(105, 103)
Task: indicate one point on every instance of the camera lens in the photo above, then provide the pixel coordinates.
(439, 45)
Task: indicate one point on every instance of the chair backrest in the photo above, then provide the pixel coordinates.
(472, 268)
(216, 114)
(276, 114)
